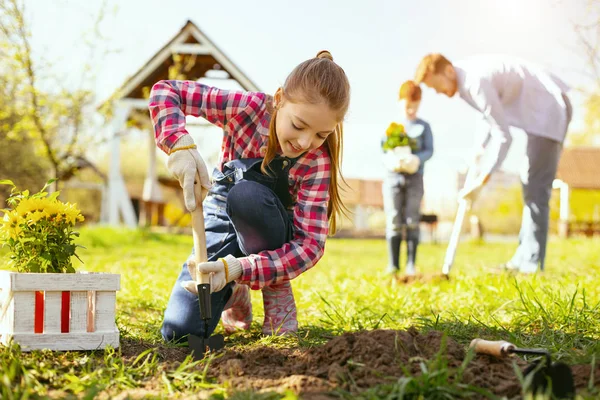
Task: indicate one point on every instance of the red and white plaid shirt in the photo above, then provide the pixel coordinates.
(244, 118)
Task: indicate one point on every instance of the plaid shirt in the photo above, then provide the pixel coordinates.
(244, 118)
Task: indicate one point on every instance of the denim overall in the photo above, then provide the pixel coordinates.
(245, 212)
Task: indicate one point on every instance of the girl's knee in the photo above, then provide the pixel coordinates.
(246, 194)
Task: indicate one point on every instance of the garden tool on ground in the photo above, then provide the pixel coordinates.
(546, 375)
(200, 345)
(464, 205)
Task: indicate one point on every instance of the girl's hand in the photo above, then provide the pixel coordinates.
(222, 271)
(184, 163)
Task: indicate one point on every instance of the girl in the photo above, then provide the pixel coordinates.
(274, 195)
(403, 185)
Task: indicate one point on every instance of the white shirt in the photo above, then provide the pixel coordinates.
(512, 92)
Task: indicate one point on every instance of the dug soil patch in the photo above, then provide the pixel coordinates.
(357, 361)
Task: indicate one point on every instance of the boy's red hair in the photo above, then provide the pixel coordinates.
(410, 91)
(433, 63)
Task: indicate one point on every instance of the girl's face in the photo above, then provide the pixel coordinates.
(410, 108)
(302, 126)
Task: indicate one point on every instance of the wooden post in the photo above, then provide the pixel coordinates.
(119, 203)
(563, 223)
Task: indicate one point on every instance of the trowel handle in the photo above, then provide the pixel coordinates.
(499, 348)
(199, 233)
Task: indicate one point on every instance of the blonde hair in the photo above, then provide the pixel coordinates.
(433, 63)
(315, 80)
(409, 91)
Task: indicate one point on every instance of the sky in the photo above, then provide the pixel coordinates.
(378, 43)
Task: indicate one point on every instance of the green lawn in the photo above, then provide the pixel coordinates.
(346, 292)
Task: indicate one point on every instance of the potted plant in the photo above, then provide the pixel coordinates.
(396, 146)
(44, 303)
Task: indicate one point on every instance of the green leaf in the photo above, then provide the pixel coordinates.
(7, 182)
(50, 182)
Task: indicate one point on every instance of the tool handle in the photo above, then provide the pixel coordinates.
(199, 233)
(499, 348)
(463, 206)
(200, 254)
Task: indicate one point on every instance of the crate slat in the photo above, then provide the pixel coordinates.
(65, 341)
(105, 311)
(23, 312)
(91, 311)
(52, 307)
(79, 305)
(59, 282)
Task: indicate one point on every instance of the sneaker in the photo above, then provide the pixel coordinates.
(237, 314)
(280, 310)
(529, 268)
(392, 271)
(410, 270)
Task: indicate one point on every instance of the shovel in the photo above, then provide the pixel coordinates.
(200, 345)
(545, 373)
(464, 205)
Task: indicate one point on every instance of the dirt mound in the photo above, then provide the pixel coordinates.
(356, 361)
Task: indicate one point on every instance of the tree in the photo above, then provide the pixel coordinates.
(51, 119)
(588, 34)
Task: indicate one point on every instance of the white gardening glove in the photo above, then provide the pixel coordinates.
(394, 159)
(391, 161)
(411, 164)
(184, 164)
(218, 278)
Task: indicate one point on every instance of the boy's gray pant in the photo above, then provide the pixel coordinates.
(537, 176)
(402, 196)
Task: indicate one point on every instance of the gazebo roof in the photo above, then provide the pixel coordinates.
(189, 41)
(579, 167)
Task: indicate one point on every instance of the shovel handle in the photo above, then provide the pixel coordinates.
(199, 233)
(499, 348)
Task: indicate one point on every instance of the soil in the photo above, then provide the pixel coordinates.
(354, 362)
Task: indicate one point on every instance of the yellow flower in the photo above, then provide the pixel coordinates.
(27, 206)
(390, 130)
(71, 213)
(15, 232)
(12, 219)
(36, 216)
(52, 208)
(11, 224)
(394, 128)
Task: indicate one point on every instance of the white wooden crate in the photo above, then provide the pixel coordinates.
(77, 310)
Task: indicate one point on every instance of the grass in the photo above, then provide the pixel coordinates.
(347, 291)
